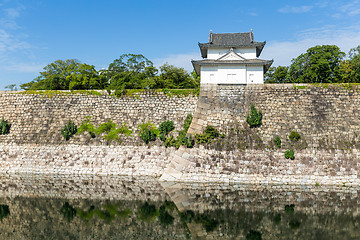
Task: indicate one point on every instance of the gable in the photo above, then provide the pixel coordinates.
(231, 55)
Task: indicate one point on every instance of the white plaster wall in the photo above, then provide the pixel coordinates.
(223, 74)
(255, 75)
(215, 53)
(248, 53)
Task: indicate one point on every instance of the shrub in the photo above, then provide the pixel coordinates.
(255, 117)
(148, 132)
(4, 127)
(113, 134)
(277, 141)
(69, 130)
(294, 136)
(209, 134)
(290, 154)
(68, 211)
(106, 127)
(87, 126)
(165, 128)
(187, 122)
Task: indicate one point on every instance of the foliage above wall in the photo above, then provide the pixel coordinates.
(129, 71)
(320, 64)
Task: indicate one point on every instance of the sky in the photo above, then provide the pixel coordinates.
(34, 33)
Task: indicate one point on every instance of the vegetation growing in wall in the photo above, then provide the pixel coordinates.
(294, 136)
(69, 130)
(87, 126)
(289, 154)
(181, 139)
(277, 141)
(165, 128)
(109, 130)
(148, 132)
(209, 134)
(4, 127)
(52, 93)
(254, 119)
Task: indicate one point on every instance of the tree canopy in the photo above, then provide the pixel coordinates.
(67, 75)
(320, 64)
(129, 71)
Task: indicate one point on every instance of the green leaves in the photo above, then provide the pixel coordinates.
(108, 130)
(69, 130)
(320, 64)
(289, 154)
(4, 127)
(67, 75)
(255, 117)
(148, 132)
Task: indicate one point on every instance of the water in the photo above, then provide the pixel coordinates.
(112, 207)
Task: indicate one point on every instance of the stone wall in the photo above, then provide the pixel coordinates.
(38, 118)
(326, 117)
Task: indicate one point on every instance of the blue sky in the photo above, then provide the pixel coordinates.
(34, 33)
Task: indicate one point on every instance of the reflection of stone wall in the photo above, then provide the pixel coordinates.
(227, 211)
(40, 218)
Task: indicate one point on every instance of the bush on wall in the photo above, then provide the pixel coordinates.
(209, 134)
(294, 136)
(4, 127)
(289, 154)
(148, 132)
(69, 130)
(165, 128)
(255, 117)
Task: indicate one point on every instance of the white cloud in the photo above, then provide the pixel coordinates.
(295, 9)
(25, 67)
(351, 8)
(179, 60)
(283, 51)
(10, 43)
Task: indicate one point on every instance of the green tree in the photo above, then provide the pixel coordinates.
(130, 71)
(175, 78)
(354, 62)
(276, 75)
(65, 75)
(320, 64)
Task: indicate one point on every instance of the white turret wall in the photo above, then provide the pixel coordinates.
(235, 74)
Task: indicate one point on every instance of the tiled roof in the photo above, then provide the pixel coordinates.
(231, 40)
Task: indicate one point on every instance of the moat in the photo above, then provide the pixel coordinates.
(115, 207)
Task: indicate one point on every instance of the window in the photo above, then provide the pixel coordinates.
(251, 77)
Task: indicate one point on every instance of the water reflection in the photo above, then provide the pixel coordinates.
(95, 207)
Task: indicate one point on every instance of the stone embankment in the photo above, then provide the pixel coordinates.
(326, 117)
